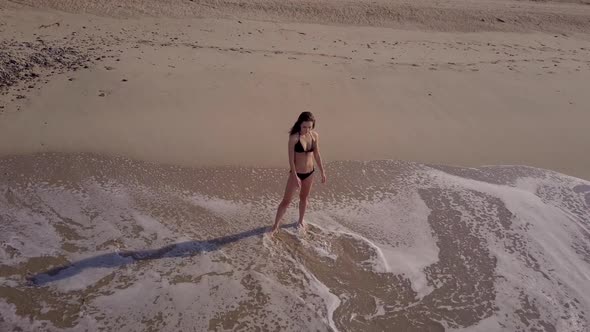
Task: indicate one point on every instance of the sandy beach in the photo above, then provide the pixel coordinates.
(208, 91)
(142, 157)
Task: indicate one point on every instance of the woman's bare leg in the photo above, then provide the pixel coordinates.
(303, 195)
(287, 198)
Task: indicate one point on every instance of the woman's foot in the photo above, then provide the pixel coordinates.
(302, 225)
(274, 230)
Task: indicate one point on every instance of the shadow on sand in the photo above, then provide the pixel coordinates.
(122, 258)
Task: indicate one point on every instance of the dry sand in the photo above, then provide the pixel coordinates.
(220, 82)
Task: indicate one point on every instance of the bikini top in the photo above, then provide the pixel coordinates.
(299, 147)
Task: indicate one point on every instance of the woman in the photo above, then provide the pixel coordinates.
(303, 148)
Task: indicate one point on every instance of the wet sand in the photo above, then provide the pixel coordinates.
(178, 88)
(96, 243)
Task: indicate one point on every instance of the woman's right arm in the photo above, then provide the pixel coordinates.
(291, 151)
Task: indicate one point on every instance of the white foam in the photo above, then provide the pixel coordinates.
(379, 309)
(549, 236)
(11, 319)
(397, 225)
(330, 301)
(188, 304)
(32, 234)
(312, 319)
(220, 207)
(489, 324)
(189, 286)
(152, 228)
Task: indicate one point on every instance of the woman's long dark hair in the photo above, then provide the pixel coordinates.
(304, 116)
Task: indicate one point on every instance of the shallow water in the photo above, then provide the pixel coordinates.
(90, 242)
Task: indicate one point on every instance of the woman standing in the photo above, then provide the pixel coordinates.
(303, 148)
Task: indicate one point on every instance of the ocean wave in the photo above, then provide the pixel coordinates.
(91, 242)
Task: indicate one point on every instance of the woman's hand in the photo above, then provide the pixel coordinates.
(324, 179)
(297, 180)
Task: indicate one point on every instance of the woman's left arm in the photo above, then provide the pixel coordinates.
(318, 157)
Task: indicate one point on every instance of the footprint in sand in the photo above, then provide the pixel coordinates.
(104, 93)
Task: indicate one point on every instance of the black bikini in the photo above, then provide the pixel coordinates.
(299, 148)
(304, 176)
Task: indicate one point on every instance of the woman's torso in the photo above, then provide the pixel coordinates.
(304, 148)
